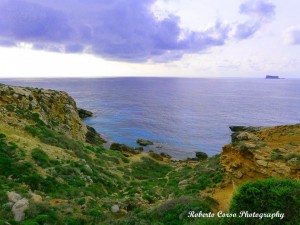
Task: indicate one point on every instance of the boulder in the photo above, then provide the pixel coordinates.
(262, 163)
(83, 114)
(115, 208)
(36, 198)
(19, 208)
(13, 196)
(238, 174)
(144, 142)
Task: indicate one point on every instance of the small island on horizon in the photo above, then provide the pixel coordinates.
(273, 77)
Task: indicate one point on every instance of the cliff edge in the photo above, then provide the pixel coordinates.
(23, 106)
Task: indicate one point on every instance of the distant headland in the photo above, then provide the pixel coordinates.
(273, 77)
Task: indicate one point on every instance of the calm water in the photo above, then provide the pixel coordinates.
(180, 115)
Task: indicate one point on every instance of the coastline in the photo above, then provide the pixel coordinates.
(65, 167)
(199, 118)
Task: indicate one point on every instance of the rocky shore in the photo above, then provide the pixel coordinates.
(54, 168)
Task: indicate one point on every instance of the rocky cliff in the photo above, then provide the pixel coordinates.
(262, 152)
(21, 106)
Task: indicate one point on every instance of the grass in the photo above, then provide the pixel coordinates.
(149, 169)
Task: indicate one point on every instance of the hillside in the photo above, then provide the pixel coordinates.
(54, 169)
(44, 152)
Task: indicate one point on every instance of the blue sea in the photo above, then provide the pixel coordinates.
(181, 115)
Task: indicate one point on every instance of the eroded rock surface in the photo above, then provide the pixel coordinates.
(261, 152)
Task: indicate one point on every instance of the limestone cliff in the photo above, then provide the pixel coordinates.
(56, 109)
(262, 152)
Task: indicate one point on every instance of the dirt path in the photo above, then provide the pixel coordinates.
(223, 196)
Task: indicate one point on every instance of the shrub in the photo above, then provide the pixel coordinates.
(40, 157)
(201, 155)
(268, 196)
(32, 130)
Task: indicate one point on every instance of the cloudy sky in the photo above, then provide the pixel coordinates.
(189, 38)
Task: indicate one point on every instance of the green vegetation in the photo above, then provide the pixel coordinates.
(40, 157)
(149, 169)
(110, 177)
(201, 155)
(51, 137)
(267, 196)
(84, 183)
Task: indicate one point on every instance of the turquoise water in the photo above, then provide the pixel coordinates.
(180, 115)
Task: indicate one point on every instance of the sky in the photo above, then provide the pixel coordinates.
(178, 38)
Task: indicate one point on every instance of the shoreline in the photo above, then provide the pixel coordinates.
(156, 147)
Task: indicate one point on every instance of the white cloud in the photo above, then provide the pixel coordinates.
(291, 35)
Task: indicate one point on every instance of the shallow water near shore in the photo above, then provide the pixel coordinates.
(181, 115)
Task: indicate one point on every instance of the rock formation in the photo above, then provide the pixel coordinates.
(261, 152)
(56, 109)
(19, 205)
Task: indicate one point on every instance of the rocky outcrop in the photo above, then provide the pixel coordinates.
(19, 205)
(19, 209)
(13, 196)
(93, 137)
(35, 197)
(245, 128)
(83, 113)
(20, 106)
(261, 152)
(144, 142)
(126, 150)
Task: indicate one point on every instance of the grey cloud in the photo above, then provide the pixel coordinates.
(20, 20)
(117, 29)
(123, 30)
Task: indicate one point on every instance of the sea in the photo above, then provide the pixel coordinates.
(180, 115)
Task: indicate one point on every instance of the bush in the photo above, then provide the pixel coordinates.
(201, 155)
(268, 196)
(32, 130)
(40, 157)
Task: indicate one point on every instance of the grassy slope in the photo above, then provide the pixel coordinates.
(80, 183)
